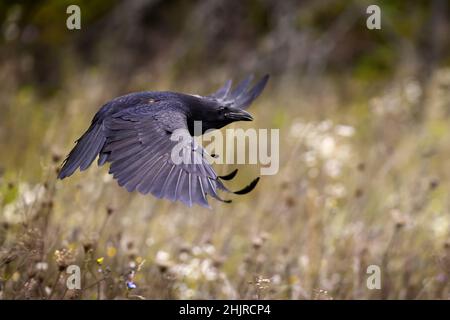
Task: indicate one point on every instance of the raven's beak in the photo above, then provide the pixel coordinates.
(238, 115)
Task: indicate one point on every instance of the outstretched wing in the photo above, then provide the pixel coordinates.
(140, 146)
(241, 97)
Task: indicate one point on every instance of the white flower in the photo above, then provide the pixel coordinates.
(209, 249)
(325, 125)
(344, 131)
(440, 225)
(327, 146)
(413, 91)
(336, 190)
(310, 158)
(42, 266)
(162, 256)
(333, 168)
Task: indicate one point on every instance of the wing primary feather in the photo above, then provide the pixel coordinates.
(202, 190)
(178, 184)
(214, 193)
(223, 91)
(138, 177)
(190, 189)
(229, 176)
(248, 188)
(241, 87)
(164, 190)
(144, 175)
(245, 100)
(159, 180)
(149, 184)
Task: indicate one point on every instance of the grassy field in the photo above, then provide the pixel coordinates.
(361, 182)
(364, 177)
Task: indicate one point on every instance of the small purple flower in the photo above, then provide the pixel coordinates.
(131, 285)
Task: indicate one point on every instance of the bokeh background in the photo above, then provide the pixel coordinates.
(364, 119)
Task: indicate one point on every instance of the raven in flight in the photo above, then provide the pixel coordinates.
(133, 133)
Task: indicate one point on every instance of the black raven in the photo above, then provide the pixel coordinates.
(133, 133)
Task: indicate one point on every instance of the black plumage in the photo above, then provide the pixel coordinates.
(133, 133)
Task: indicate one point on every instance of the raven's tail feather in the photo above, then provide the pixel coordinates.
(85, 151)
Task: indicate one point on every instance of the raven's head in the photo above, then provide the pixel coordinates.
(226, 106)
(228, 114)
(215, 116)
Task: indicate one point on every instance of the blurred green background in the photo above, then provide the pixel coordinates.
(365, 142)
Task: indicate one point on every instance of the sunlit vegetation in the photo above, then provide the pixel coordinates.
(364, 152)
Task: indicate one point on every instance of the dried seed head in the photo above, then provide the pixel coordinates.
(163, 267)
(290, 202)
(56, 157)
(400, 218)
(87, 246)
(257, 243)
(73, 294)
(322, 295)
(259, 240)
(434, 183)
(48, 204)
(447, 244)
(218, 261)
(185, 249)
(130, 245)
(358, 193)
(261, 283)
(132, 256)
(399, 224)
(110, 210)
(285, 184)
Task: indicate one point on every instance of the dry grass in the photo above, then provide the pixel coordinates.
(361, 182)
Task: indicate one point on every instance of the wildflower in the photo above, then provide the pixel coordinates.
(100, 261)
(412, 91)
(111, 251)
(400, 218)
(209, 249)
(131, 285)
(344, 131)
(162, 256)
(149, 241)
(258, 241)
(322, 295)
(64, 258)
(42, 266)
(130, 280)
(47, 290)
(16, 276)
